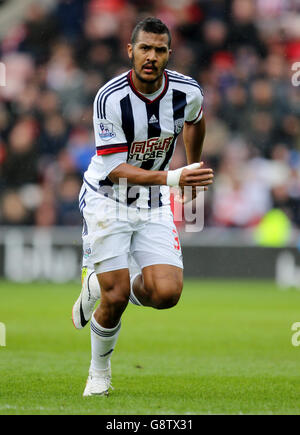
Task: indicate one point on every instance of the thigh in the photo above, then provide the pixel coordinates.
(113, 277)
(162, 285)
(115, 281)
(163, 278)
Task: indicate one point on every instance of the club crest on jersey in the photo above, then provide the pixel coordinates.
(106, 131)
(178, 125)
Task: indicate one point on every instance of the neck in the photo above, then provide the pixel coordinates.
(146, 87)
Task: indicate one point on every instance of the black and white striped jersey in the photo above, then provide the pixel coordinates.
(144, 130)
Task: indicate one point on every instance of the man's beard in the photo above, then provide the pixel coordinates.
(142, 79)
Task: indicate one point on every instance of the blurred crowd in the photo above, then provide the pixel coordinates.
(240, 51)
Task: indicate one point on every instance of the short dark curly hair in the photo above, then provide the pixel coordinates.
(150, 25)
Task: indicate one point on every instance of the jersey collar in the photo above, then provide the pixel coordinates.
(141, 96)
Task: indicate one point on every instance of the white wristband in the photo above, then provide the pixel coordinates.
(173, 177)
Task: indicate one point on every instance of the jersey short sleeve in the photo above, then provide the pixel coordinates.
(109, 134)
(194, 107)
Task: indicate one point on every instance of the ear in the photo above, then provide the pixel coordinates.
(129, 50)
(170, 51)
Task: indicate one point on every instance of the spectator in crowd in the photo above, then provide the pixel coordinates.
(241, 52)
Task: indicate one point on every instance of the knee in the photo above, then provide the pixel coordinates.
(167, 296)
(116, 297)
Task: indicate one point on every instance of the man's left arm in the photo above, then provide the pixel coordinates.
(193, 138)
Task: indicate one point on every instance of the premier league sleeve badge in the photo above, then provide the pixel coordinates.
(106, 131)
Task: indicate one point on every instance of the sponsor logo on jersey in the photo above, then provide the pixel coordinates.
(106, 131)
(154, 148)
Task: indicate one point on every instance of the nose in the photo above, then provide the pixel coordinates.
(151, 55)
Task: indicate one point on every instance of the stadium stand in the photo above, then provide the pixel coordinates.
(240, 51)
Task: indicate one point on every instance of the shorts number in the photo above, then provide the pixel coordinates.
(176, 238)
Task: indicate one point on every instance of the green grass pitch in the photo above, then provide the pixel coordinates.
(224, 349)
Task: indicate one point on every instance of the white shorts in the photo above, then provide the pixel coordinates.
(149, 236)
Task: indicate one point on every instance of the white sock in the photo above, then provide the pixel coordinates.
(132, 298)
(103, 341)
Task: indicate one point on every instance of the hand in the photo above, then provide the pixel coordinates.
(196, 177)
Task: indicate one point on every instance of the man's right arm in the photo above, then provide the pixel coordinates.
(144, 177)
(138, 176)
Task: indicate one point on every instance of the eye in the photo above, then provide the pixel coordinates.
(161, 50)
